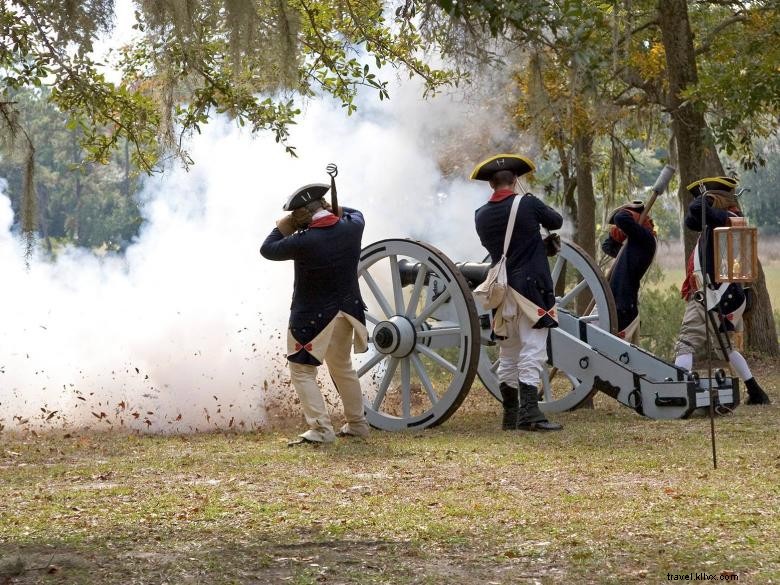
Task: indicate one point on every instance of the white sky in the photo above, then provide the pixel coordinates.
(124, 19)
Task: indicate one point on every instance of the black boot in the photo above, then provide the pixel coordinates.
(511, 407)
(756, 394)
(530, 417)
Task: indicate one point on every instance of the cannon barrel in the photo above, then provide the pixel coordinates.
(473, 272)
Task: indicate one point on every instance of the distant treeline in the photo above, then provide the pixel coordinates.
(96, 206)
(87, 204)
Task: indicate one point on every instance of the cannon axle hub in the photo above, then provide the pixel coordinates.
(396, 336)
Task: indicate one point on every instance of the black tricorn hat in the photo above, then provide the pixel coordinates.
(712, 184)
(519, 165)
(306, 195)
(636, 205)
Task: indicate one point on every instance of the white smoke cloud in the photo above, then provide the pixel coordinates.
(186, 331)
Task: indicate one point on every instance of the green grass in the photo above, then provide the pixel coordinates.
(614, 498)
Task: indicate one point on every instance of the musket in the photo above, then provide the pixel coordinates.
(333, 170)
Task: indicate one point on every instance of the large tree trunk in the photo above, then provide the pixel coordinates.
(585, 233)
(696, 153)
(697, 156)
(761, 334)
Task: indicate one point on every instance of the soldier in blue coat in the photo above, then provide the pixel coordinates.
(726, 301)
(326, 315)
(640, 244)
(522, 340)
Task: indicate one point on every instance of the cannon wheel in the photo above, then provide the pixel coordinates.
(424, 345)
(560, 391)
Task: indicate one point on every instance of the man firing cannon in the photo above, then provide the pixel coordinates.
(327, 314)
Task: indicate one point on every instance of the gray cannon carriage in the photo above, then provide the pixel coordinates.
(428, 340)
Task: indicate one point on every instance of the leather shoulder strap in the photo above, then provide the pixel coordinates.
(510, 226)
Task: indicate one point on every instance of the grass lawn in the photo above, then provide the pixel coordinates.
(614, 498)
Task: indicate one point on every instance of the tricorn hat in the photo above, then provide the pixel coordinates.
(712, 184)
(306, 195)
(519, 165)
(637, 205)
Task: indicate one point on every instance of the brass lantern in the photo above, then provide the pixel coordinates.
(736, 252)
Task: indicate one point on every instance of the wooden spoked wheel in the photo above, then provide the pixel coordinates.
(424, 342)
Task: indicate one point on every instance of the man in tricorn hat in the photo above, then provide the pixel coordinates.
(639, 243)
(326, 316)
(522, 340)
(726, 301)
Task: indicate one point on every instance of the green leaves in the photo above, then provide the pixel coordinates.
(249, 60)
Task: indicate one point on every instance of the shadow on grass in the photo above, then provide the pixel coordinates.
(295, 558)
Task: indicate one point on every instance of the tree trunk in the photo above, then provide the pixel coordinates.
(585, 234)
(697, 156)
(696, 153)
(585, 230)
(760, 331)
(569, 183)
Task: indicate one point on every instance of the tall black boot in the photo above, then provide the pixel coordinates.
(511, 407)
(530, 417)
(756, 394)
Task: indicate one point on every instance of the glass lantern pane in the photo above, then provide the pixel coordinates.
(721, 240)
(738, 260)
(746, 254)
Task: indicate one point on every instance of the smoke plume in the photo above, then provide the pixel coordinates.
(185, 332)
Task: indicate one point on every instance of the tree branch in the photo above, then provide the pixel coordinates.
(707, 44)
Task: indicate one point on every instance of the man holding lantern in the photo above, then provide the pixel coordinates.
(725, 301)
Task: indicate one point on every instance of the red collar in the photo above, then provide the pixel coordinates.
(325, 221)
(500, 195)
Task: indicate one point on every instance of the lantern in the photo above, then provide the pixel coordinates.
(736, 252)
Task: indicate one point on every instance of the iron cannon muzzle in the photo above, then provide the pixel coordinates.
(409, 272)
(474, 272)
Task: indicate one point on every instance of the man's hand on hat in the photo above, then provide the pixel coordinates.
(301, 218)
(294, 221)
(286, 225)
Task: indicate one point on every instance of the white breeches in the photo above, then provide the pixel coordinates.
(522, 355)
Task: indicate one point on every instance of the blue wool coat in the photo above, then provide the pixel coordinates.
(631, 266)
(528, 270)
(326, 279)
(735, 294)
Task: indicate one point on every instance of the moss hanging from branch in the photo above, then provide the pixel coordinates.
(29, 204)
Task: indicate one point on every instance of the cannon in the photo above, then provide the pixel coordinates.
(428, 340)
